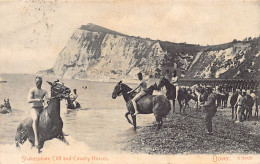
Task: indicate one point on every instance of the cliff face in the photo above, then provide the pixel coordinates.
(94, 52)
(232, 60)
(95, 55)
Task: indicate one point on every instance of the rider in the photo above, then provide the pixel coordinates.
(174, 81)
(141, 92)
(35, 97)
(73, 97)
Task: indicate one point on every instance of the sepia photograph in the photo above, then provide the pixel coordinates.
(129, 81)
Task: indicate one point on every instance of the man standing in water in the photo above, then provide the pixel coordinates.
(35, 97)
(141, 92)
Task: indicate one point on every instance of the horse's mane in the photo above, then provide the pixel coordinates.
(169, 83)
(126, 87)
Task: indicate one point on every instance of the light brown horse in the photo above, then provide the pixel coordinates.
(50, 123)
(157, 104)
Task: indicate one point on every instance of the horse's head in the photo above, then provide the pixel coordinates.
(120, 89)
(117, 90)
(7, 104)
(58, 89)
(150, 90)
(162, 83)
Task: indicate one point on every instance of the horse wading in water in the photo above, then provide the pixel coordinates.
(6, 107)
(50, 122)
(157, 104)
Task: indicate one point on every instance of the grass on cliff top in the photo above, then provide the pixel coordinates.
(186, 134)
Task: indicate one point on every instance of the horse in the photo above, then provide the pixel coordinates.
(171, 93)
(70, 104)
(50, 123)
(157, 104)
(6, 107)
(249, 103)
(222, 96)
(192, 96)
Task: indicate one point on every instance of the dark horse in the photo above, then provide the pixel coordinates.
(157, 104)
(6, 107)
(50, 123)
(171, 93)
(70, 104)
(222, 97)
(249, 103)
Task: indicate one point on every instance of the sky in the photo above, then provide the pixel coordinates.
(32, 34)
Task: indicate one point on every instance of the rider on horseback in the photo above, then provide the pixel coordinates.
(35, 97)
(174, 82)
(73, 97)
(141, 87)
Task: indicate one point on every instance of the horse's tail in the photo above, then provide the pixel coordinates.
(165, 105)
(20, 137)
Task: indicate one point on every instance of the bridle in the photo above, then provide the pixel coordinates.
(58, 91)
(120, 89)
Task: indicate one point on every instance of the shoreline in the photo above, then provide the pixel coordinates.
(186, 135)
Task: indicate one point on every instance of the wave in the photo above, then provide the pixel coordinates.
(53, 151)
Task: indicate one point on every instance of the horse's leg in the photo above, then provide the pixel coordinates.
(250, 112)
(232, 108)
(256, 111)
(20, 136)
(126, 116)
(187, 104)
(179, 101)
(32, 143)
(160, 122)
(197, 104)
(172, 101)
(134, 121)
(40, 146)
(235, 110)
(62, 138)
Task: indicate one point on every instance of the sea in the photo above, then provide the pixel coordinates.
(100, 127)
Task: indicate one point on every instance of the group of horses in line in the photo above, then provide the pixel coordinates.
(50, 123)
(160, 104)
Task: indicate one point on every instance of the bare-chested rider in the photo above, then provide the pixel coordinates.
(36, 98)
(140, 90)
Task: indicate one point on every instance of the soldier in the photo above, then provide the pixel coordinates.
(240, 105)
(209, 104)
